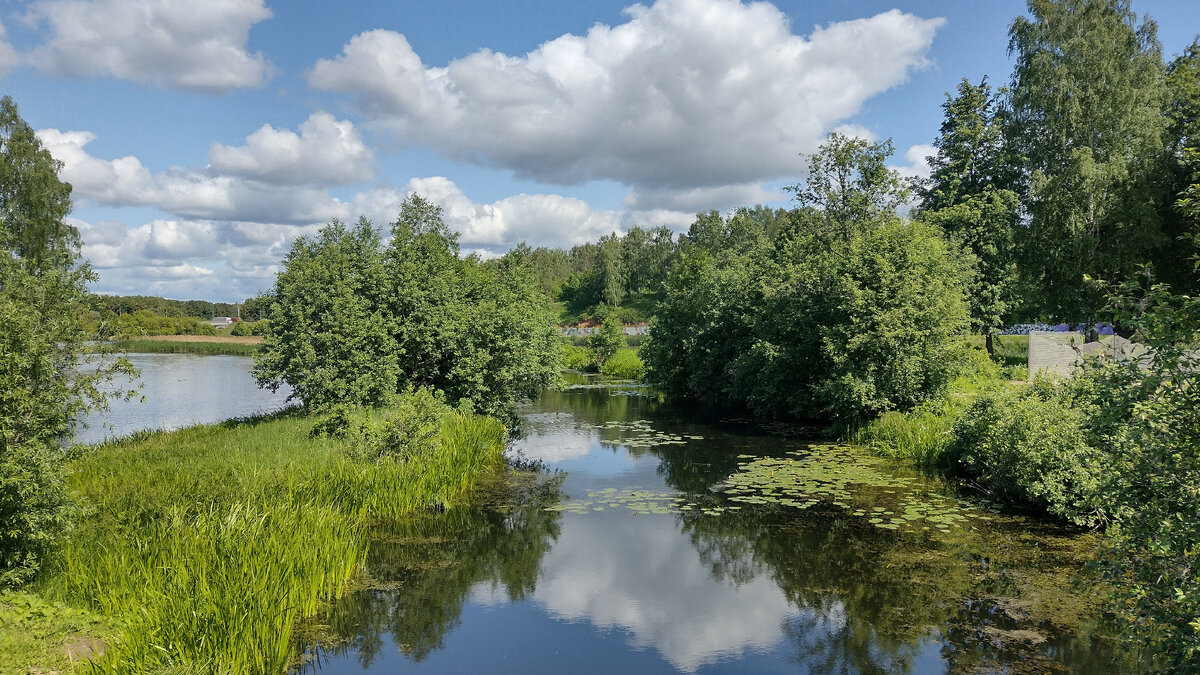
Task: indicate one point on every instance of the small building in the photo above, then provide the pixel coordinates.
(221, 321)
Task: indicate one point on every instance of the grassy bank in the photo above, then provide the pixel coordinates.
(201, 549)
(191, 344)
(625, 363)
(922, 436)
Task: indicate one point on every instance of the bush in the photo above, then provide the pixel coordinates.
(240, 329)
(625, 363)
(34, 510)
(408, 425)
(577, 358)
(608, 339)
(1030, 447)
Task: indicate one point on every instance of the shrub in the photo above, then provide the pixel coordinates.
(625, 363)
(608, 339)
(34, 510)
(241, 328)
(409, 424)
(1030, 447)
(577, 358)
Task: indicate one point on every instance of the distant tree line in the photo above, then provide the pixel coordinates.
(251, 309)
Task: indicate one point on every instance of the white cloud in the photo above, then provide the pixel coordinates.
(8, 55)
(325, 152)
(166, 43)
(183, 192)
(917, 157)
(685, 94)
(655, 587)
(187, 258)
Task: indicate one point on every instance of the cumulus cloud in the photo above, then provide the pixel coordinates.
(196, 194)
(657, 591)
(199, 46)
(8, 55)
(187, 258)
(917, 157)
(325, 152)
(686, 94)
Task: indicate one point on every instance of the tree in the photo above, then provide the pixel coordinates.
(355, 322)
(49, 371)
(327, 338)
(850, 184)
(848, 312)
(968, 198)
(1086, 101)
(608, 339)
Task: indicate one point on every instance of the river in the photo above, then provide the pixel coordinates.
(654, 542)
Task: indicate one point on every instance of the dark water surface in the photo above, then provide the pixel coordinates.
(181, 390)
(658, 544)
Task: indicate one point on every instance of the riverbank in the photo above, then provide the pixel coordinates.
(233, 345)
(197, 548)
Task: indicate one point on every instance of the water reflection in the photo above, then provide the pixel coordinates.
(181, 390)
(531, 588)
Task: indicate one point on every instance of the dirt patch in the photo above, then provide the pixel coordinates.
(85, 649)
(234, 339)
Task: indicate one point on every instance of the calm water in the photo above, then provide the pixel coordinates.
(637, 552)
(180, 390)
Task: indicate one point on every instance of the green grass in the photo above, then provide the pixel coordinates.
(921, 436)
(207, 545)
(625, 363)
(172, 347)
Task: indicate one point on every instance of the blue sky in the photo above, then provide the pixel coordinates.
(202, 137)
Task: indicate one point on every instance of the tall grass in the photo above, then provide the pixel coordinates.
(625, 363)
(180, 347)
(210, 543)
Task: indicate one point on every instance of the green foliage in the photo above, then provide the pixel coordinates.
(328, 338)
(968, 197)
(49, 372)
(831, 319)
(145, 322)
(577, 358)
(892, 343)
(210, 566)
(410, 423)
(1146, 415)
(241, 328)
(624, 363)
(1030, 447)
(356, 323)
(849, 182)
(1086, 115)
(607, 339)
(181, 347)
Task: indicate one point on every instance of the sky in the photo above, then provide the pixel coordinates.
(201, 138)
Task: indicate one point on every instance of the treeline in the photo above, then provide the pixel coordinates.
(251, 309)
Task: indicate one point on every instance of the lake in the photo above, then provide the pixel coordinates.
(181, 390)
(657, 542)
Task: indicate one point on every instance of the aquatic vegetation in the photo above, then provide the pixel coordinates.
(840, 476)
(624, 363)
(639, 434)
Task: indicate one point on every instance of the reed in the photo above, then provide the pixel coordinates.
(182, 347)
(209, 544)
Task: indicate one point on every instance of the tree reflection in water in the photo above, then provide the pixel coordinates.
(764, 584)
(422, 570)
